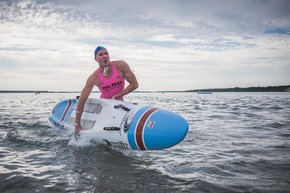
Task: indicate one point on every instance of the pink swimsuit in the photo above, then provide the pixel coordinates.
(110, 86)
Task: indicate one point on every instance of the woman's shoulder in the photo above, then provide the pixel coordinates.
(120, 64)
(94, 75)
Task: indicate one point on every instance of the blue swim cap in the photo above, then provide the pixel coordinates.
(98, 49)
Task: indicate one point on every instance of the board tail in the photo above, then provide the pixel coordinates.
(61, 111)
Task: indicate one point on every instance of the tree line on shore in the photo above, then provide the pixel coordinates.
(247, 89)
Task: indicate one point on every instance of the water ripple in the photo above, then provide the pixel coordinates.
(237, 142)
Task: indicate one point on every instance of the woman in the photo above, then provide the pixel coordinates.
(109, 78)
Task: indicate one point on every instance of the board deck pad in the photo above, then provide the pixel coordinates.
(91, 107)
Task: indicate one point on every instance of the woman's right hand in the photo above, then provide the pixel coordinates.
(78, 128)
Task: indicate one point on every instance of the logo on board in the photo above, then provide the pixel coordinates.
(150, 124)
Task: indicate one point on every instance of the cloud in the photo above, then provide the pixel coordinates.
(199, 43)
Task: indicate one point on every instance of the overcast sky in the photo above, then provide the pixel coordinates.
(169, 44)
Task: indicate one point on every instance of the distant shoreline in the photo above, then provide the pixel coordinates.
(247, 89)
(235, 89)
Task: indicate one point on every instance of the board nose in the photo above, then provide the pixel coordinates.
(164, 129)
(159, 129)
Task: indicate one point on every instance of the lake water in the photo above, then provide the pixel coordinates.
(237, 142)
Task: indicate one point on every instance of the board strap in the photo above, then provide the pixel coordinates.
(122, 107)
(112, 128)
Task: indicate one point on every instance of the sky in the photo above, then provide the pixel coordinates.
(171, 45)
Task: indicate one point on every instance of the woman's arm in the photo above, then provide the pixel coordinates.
(129, 76)
(81, 102)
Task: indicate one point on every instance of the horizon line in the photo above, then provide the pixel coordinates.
(136, 91)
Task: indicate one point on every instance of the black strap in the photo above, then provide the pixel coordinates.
(112, 128)
(122, 107)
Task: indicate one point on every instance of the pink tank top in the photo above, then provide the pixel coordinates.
(110, 86)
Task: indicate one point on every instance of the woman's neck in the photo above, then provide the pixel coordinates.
(106, 71)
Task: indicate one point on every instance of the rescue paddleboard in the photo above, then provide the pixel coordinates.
(123, 124)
